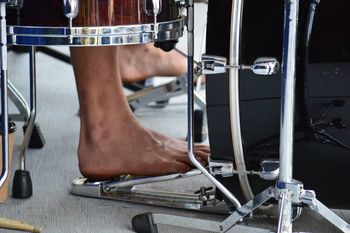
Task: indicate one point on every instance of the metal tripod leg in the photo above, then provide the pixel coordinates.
(310, 199)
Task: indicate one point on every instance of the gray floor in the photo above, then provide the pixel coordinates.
(55, 166)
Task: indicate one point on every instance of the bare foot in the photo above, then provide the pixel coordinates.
(138, 62)
(134, 150)
(112, 142)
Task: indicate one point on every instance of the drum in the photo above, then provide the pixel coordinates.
(107, 22)
(322, 119)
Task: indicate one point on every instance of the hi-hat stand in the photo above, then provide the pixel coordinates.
(22, 185)
(287, 191)
(4, 100)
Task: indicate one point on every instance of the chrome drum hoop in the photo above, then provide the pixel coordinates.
(94, 36)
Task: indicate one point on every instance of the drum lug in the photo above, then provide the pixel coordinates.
(71, 10)
(220, 167)
(153, 7)
(212, 64)
(269, 169)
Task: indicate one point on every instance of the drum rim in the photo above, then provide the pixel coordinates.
(94, 36)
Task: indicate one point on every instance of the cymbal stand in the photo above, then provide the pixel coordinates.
(287, 191)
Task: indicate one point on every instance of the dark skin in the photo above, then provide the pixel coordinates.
(112, 141)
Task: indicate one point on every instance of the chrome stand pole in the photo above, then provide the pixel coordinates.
(287, 113)
(4, 98)
(287, 190)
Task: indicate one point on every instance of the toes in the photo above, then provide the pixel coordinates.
(202, 161)
(202, 147)
(181, 167)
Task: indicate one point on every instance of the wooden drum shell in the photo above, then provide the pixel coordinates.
(92, 13)
(98, 22)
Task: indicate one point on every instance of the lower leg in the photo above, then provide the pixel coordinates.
(112, 142)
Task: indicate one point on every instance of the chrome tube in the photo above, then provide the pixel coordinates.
(235, 38)
(288, 90)
(19, 101)
(287, 113)
(30, 124)
(4, 98)
(190, 107)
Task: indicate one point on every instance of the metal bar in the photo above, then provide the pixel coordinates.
(235, 39)
(206, 225)
(310, 199)
(288, 90)
(146, 180)
(30, 125)
(246, 209)
(284, 224)
(55, 54)
(190, 107)
(200, 101)
(287, 110)
(331, 216)
(21, 104)
(4, 98)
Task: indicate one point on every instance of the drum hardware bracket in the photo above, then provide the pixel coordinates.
(155, 11)
(212, 64)
(71, 10)
(269, 169)
(205, 194)
(297, 195)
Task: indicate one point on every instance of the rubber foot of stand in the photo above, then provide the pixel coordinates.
(162, 103)
(22, 186)
(143, 223)
(37, 140)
